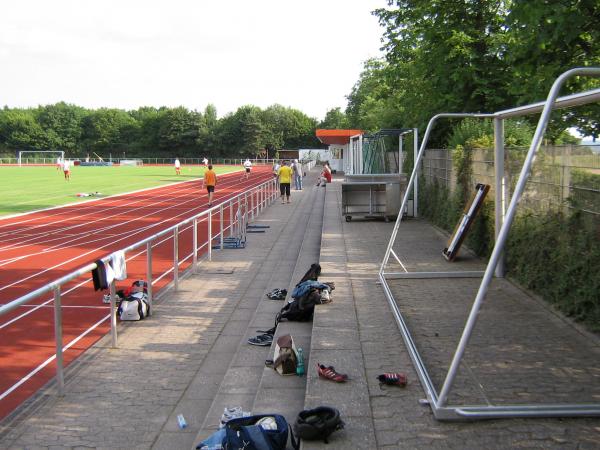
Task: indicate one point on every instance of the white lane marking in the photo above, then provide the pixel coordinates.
(26, 242)
(127, 234)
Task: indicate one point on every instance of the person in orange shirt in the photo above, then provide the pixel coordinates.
(210, 181)
(285, 181)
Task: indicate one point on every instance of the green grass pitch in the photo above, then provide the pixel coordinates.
(29, 188)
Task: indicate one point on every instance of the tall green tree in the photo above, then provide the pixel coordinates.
(179, 129)
(20, 131)
(335, 118)
(446, 56)
(61, 123)
(547, 38)
(105, 130)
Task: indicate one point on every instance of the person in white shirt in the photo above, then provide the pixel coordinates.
(58, 163)
(205, 161)
(177, 166)
(247, 166)
(297, 172)
(66, 165)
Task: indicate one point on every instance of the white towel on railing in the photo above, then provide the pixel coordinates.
(119, 265)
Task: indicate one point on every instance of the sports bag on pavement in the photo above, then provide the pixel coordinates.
(285, 358)
(134, 307)
(259, 432)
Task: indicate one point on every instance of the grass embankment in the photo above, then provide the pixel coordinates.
(30, 188)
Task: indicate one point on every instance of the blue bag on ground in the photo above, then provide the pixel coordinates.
(213, 442)
(259, 432)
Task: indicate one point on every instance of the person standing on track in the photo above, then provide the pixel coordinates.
(285, 181)
(177, 166)
(66, 166)
(210, 181)
(248, 167)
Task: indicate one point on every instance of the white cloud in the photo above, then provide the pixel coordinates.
(128, 53)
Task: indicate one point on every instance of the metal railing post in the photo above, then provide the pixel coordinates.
(113, 315)
(210, 235)
(149, 274)
(60, 377)
(195, 246)
(221, 223)
(176, 258)
(252, 203)
(231, 218)
(500, 188)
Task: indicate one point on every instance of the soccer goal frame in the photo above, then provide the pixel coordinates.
(56, 152)
(504, 217)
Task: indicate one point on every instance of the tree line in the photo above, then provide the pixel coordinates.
(452, 56)
(475, 56)
(148, 131)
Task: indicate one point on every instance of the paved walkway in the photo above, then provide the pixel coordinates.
(191, 357)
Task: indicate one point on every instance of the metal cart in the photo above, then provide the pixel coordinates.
(374, 195)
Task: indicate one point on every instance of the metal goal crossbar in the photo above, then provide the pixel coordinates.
(61, 154)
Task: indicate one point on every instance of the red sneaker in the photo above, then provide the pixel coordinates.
(329, 373)
(393, 379)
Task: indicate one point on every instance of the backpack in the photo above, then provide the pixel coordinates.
(300, 309)
(285, 359)
(317, 423)
(312, 274)
(256, 433)
(134, 307)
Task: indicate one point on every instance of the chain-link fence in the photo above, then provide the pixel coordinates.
(561, 177)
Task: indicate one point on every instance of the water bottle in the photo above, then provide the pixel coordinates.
(300, 365)
(181, 421)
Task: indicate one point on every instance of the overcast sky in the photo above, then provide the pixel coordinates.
(305, 54)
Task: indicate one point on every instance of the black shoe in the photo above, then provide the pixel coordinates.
(263, 340)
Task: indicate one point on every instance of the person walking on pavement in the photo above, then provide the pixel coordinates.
(285, 180)
(297, 170)
(210, 181)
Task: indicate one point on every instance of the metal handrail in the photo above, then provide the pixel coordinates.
(265, 194)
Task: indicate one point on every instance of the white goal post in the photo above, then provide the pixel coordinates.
(55, 152)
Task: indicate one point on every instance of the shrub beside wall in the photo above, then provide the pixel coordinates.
(555, 254)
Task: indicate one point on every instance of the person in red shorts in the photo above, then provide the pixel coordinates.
(210, 181)
(66, 165)
(177, 166)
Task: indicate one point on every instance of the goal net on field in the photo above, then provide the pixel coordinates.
(40, 156)
(131, 162)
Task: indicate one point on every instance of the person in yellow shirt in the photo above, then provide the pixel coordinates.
(210, 181)
(285, 181)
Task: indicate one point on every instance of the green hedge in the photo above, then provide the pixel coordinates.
(555, 255)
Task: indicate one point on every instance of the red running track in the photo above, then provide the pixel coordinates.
(43, 246)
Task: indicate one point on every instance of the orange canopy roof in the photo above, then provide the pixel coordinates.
(339, 137)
